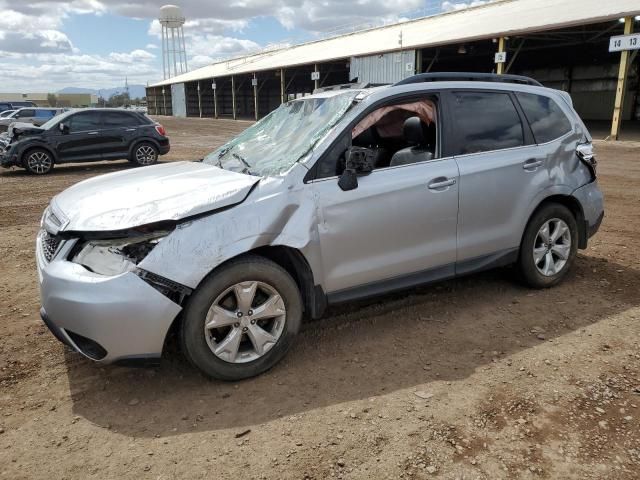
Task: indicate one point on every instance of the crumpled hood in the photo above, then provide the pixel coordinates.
(145, 195)
(18, 128)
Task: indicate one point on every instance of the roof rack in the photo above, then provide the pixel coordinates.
(466, 77)
(349, 86)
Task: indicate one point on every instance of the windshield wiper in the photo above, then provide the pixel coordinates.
(246, 164)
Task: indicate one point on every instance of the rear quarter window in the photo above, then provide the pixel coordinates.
(545, 116)
(120, 119)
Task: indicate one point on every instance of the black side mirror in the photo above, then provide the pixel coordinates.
(63, 128)
(357, 161)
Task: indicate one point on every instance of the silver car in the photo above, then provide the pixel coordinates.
(344, 194)
(36, 116)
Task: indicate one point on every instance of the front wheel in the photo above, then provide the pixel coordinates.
(144, 154)
(242, 320)
(549, 246)
(38, 161)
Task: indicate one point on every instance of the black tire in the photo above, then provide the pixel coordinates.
(38, 161)
(530, 272)
(144, 154)
(194, 341)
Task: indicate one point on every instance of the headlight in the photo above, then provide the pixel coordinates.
(113, 257)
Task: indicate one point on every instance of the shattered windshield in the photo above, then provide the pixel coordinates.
(283, 137)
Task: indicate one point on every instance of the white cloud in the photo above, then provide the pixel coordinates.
(451, 6)
(35, 50)
(49, 72)
(132, 57)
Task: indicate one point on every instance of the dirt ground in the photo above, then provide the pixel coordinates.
(477, 378)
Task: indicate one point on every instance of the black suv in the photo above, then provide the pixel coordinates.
(84, 136)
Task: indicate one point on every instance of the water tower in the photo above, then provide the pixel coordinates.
(173, 47)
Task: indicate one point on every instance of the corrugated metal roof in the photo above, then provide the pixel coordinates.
(507, 17)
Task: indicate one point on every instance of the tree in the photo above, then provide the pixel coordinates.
(52, 99)
(119, 100)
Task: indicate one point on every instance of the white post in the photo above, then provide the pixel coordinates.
(173, 42)
(184, 50)
(164, 68)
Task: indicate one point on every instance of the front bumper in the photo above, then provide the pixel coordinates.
(106, 319)
(8, 156)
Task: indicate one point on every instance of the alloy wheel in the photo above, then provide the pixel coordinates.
(245, 321)
(552, 247)
(39, 162)
(145, 155)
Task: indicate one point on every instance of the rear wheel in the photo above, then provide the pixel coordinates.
(549, 246)
(242, 320)
(38, 161)
(144, 154)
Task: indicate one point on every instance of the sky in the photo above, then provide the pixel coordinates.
(46, 45)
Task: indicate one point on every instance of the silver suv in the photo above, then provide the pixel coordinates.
(344, 194)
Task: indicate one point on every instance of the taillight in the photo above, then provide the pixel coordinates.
(160, 129)
(585, 153)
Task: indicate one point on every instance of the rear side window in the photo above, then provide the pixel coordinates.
(44, 113)
(546, 118)
(119, 119)
(485, 121)
(26, 113)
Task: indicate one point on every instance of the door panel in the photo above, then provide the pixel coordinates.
(501, 171)
(496, 191)
(83, 141)
(119, 130)
(397, 222)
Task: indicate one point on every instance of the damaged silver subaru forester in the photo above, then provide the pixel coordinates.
(345, 194)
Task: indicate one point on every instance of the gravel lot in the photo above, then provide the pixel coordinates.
(473, 378)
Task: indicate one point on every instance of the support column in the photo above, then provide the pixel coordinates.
(233, 95)
(199, 100)
(164, 103)
(316, 82)
(215, 98)
(255, 95)
(622, 83)
(501, 49)
(282, 89)
(418, 68)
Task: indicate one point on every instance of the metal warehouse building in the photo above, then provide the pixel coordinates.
(562, 43)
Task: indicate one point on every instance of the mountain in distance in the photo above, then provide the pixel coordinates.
(135, 91)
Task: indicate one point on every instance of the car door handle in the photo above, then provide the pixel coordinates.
(532, 164)
(441, 182)
(130, 130)
(92, 133)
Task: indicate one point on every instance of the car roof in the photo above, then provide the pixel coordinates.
(382, 93)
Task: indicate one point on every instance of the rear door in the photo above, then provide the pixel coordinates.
(501, 174)
(119, 128)
(43, 116)
(83, 141)
(26, 115)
